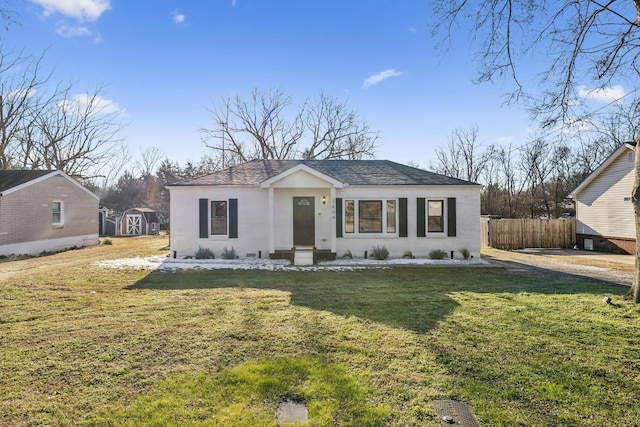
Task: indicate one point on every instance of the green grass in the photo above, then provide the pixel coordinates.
(88, 345)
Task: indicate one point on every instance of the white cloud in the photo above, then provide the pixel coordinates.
(573, 127)
(21, 93)
(178, 18)
(607, 94)
(89, 10)
(91, 105)
(69, 31)
(377, 78)
(233, 3)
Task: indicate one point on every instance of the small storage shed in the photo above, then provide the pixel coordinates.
(139, 222)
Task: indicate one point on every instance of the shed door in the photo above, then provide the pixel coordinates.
(304, 226)
(134, 224)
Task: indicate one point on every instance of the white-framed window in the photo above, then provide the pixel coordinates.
(435, 216)
(57, 214)
(370, 216)
(219, 217)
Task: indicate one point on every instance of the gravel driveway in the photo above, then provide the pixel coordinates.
(609, 268)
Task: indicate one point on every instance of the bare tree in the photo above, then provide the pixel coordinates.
(43, 126)
(149, 159)
(22, 85)
(261, 128)
(580, 40)
(513, 183)
(269, 126)
(7, 15)
(78, 135)
(536, 165)
(337, 132)
(463, 156)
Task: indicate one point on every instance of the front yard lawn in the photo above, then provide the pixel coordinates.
(83, 344)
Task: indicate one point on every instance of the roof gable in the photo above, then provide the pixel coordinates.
(600, 169)
(11, 179)
(297, 170)
(345, 172)
(15, 180)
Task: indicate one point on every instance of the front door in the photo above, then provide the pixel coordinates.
(304, 225)
(134, 224)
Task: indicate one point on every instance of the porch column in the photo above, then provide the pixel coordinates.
(333, 219)
(270, 221)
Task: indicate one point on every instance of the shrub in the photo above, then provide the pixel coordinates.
(347, 254)
(379, 252)
(107, 242)
(437, 254)
(204, 253)
(408, 254)
(465, 253)
(229, 253)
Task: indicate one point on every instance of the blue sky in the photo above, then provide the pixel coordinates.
(165, 63)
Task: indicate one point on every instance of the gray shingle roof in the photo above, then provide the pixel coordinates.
(350, 172)
(14, 178)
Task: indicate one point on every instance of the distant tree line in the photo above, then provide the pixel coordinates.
(533, 179)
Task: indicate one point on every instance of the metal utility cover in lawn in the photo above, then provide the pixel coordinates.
(454, 413)
(290, 411)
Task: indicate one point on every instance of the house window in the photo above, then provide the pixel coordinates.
(219, 217)
(349, 216)
(56, 211)
(435, 216)
(370, 216)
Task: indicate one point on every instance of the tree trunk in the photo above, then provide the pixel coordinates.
(634, 292)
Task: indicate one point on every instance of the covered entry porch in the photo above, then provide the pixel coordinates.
(302, 216)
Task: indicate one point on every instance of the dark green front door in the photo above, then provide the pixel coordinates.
(304, 226)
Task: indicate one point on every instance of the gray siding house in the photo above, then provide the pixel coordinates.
(45, 211)
(604, 210)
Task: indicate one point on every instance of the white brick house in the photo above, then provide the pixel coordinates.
(281, 208)
(45, 211)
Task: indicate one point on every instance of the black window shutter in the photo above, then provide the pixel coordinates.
(402, 211)
(204, 218)
(338, 217)
(451, 217)
(233, 218)
(421, 221)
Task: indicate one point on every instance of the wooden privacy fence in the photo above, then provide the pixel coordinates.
(528, 233)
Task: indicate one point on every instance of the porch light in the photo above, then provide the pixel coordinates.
(324, 200)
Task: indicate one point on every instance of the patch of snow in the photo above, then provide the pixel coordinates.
(138, 263)
(527, 250)
(159, 262)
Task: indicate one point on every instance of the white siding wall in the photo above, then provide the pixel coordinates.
(601, 208)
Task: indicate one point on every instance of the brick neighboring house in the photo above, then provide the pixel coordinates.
(45, 211)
